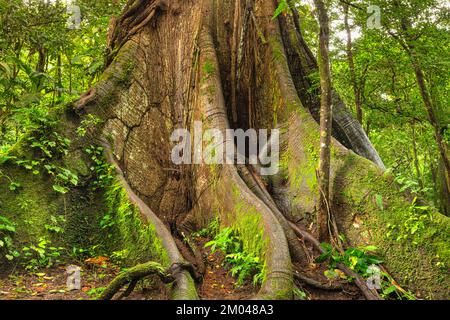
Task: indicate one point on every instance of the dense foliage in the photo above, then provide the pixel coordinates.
(393, 111)
(45, 62)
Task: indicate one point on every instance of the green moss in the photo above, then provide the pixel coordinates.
(118, 75)
(29, 206)
(208, 69)
(247, 223)
(251, 231)
(35, 202)
(32, 206)
(76, 164)
(282, 292)
(413, 240)
(129, 233)
(190, 292)
(124, 78)
(277, 48)
(302, 176)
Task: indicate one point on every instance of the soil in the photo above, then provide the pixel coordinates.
(218, 284)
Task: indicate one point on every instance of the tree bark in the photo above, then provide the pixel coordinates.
(176, 67)
(323, 217)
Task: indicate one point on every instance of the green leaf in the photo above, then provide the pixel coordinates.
(389, 290)
(13, 186)
(282, 7)
(60, 189)
(369, 248)
(379, 199)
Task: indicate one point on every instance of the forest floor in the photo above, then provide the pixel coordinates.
(96, 273)
(51, 284)
(217, 284)
(348, 291)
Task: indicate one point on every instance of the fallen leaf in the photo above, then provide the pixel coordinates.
(57, 291)
(40, 289)
(39, 284)
(340, 273)
(97, 261)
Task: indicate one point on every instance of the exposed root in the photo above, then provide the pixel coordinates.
(129, 289)
(278, 282)
(194, 258)
(136, 273)
(315, 283)
(184, 226)
(255, 184)
(183, 288)
(199, 261)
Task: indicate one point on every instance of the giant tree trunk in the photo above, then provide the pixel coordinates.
(175, 62)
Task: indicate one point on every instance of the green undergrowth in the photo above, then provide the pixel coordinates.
(413, 238)
(243, 223)
(244, 265)
(366, 263)
(42, 226)
(49, 226)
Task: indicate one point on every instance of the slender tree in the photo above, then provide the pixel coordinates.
(323, 217)
(406, 39)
